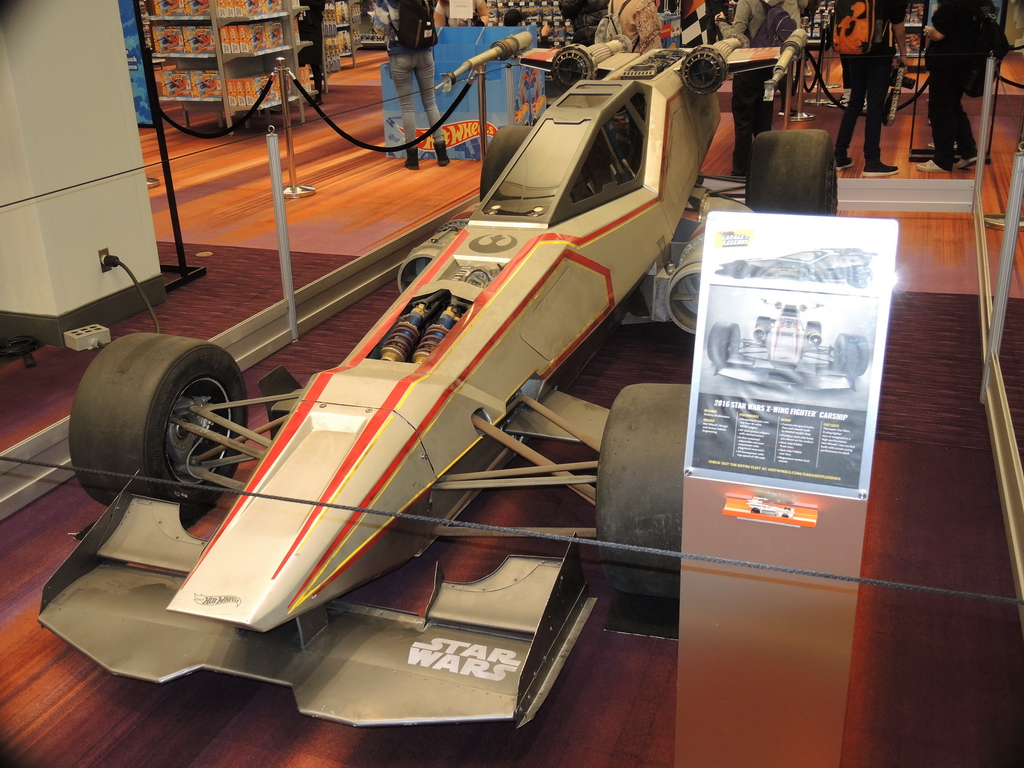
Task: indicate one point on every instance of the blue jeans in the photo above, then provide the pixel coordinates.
(403, 66)
(869, 77)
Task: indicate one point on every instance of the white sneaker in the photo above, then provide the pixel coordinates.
(966, 162)
(930, 167)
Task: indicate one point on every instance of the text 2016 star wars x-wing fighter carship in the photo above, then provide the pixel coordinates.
(575, 214)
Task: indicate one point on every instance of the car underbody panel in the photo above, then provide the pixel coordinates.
(485, 651)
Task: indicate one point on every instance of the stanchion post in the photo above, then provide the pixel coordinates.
(281, 221)
(481, 83)
(294, 189)
(799, 116)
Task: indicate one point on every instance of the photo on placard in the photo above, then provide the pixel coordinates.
(847, 267)
(789, 346)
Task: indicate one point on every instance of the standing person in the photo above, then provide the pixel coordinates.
(585, 15)
(948, 59)
(751, 114)
(640, 23)
(870, 73)
(311, 27)
(406, 62)
(443, 15)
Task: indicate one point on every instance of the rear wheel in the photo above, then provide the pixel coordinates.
(500, 151)
(121, 418)
(792, 172)
(850, 355)
(640, 487)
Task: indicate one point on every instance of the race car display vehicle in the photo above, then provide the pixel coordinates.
(826, 265)
(356, 470)
(787, 349)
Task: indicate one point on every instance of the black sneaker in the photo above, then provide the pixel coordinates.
(843, 162)
(878, 168)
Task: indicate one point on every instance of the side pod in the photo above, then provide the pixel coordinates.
(485, 651)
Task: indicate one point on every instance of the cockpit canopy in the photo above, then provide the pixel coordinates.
(589, 148)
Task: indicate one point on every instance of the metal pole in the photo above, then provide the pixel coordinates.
(1006, 254)
(786, 96)
(799, 116)
(986, 111)
(294, 189)
(481, 73)
(281, 220)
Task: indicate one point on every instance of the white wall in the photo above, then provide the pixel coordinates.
(67, 117)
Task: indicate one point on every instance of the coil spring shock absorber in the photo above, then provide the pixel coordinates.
(404, 335)
(435, 334)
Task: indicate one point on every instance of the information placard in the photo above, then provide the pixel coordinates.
(790, 340)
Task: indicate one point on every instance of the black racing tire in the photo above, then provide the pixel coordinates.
(738, 269)
(723, 342)
(851, 355)
(859, 277)
(120, 418)
(792, 172)
(500, 151)
(640, 487)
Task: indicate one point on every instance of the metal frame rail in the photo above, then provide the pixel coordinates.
(992, 307)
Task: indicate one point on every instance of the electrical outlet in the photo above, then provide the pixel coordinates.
(104, 252)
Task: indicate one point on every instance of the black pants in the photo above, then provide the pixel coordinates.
(869, 82)
(751, 115)
(950, 126)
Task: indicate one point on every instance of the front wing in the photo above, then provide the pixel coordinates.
(484, 651)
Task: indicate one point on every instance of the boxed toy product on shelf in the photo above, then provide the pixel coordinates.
(198, 7)
(168, 38)
(175, 84)
(274, 34)
(172, 8)
(206, 83)
(198, 39)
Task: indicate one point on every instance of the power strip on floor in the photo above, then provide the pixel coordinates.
(87, 337)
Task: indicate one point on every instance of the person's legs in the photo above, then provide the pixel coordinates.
(942, 107)
(877, 74)
(402, 65)
(425, 81)
(965, 143)
(857, 75)
(746, 93)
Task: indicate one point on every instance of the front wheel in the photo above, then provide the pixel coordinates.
(640, 487)
(122, 418)
(723, 342)
(792, 172)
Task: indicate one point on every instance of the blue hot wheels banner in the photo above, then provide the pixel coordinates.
(133, 50)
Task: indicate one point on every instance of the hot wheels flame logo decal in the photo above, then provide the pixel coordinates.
(457, 133)
(462, 658)
(216, 599)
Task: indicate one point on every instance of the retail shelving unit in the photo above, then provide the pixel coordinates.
(363, 32)
(339, 42)
(221, 54)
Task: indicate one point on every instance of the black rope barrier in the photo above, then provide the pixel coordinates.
(231, 128)
(409, 144)
(689, 556)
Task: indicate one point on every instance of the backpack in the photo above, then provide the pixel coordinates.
(778, 26)
(853, 25)
(610, 26)
(416, 24)
(989, 37)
